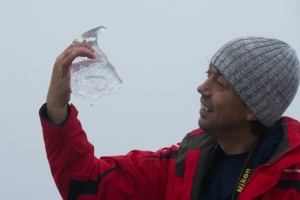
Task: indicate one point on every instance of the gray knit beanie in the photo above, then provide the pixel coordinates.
(264, 73)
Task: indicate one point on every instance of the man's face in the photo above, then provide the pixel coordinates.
(222, 110)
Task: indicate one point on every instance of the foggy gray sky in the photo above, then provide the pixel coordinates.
(160, 49)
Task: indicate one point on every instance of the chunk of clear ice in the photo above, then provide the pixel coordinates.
(92, 78)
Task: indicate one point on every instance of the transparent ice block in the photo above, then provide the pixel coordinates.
(92, 78)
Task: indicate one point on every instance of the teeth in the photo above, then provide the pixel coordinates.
(203, 107)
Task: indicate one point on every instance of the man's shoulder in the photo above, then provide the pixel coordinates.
(291, 121)
(197, 139)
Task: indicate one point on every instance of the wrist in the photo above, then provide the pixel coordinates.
(57, 114)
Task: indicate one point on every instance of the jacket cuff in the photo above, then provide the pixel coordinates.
(44, 115)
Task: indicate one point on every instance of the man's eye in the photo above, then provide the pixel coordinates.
(220, 84)
(208, 73)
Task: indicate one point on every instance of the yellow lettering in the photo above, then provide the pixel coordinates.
(243, 181)
(240, 189)
(241, 184)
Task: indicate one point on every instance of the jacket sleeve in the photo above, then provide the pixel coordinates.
(78, 174)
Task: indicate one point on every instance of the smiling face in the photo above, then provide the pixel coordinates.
(222, 110)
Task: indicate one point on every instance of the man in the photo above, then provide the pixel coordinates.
(244, 149)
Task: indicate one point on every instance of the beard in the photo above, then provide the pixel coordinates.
(217, 130)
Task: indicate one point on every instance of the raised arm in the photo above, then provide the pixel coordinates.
(78, 174)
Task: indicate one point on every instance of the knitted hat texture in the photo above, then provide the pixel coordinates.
(264, 73)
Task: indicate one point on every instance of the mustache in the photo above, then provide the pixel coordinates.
(207, 101)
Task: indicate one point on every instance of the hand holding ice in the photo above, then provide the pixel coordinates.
(92, 78)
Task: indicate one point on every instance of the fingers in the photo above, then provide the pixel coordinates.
(74, 50)
(69, 55)
(82, 44)
(85, 53)
(77, 46)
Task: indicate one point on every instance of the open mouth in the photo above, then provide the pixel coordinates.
(205, 108)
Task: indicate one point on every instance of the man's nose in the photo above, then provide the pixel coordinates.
(205, 88)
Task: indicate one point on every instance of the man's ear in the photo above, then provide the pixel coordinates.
(251, 117)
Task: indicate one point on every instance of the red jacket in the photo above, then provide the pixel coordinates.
(170, 173)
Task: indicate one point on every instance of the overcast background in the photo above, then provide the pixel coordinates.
(160, 49)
